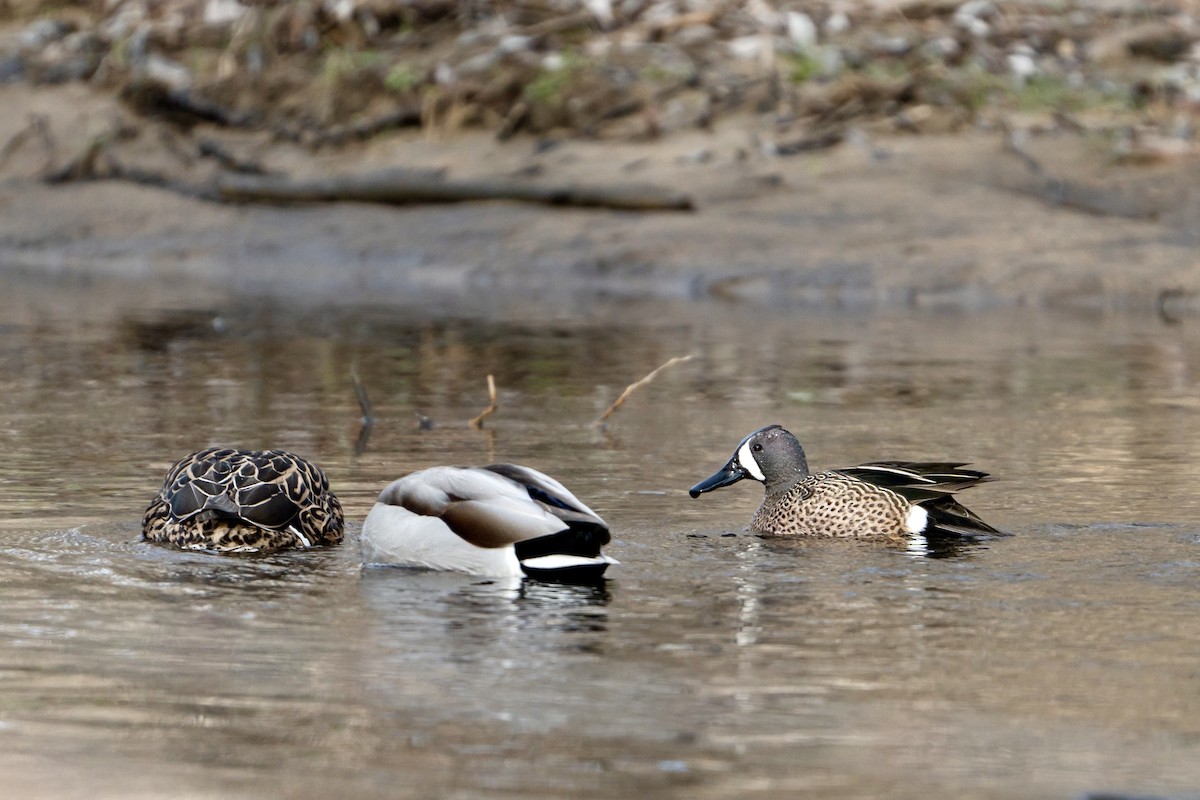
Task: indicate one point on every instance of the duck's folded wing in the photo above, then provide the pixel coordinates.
(483, 507)
(498, 522)
(200, 495)
(917, 480)
(549, 493)
(237, 487)
(269, 505)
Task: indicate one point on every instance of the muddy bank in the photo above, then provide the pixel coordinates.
(890, 153)
(958, 221)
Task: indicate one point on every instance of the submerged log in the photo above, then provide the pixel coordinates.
(402, 187)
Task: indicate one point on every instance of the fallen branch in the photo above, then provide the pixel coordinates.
(398, 187)
(391, 187)
(477, 423)
(620, 401)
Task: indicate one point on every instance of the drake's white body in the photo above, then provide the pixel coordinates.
(478, 520)
(395, 536)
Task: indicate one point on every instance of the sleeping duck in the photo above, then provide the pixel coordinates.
(244, 501)
(502, 520)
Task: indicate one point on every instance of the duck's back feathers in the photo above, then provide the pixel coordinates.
(939, 476)
(498, 519)
(226, 499)
(930, 485)
(267, 489)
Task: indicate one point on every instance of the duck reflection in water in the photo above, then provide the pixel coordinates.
(469, 616)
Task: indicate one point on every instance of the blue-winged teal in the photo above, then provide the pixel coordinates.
(883, 499)
(499, 520)
(244, 501)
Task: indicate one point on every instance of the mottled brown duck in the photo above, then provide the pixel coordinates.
(244, 501)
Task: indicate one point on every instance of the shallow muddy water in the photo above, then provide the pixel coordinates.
(1062, 660)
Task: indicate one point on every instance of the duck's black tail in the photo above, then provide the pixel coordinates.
(570, 556)
(949, 517)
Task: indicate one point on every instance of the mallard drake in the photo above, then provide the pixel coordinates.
(882, 499)
(243, 501)
(502, 520)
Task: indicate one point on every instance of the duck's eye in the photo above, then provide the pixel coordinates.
(756, 447)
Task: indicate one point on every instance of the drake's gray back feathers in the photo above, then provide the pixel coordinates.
(882, 499)
(231, 500)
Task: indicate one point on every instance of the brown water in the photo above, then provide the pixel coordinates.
(1060, 661)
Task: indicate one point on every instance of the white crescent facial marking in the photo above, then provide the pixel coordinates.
(917, 519)
(746, 459)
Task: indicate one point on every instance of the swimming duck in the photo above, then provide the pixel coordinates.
(502, 520)
(882, 499)
(244, 501)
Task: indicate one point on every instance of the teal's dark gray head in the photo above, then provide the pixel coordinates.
(770, 455)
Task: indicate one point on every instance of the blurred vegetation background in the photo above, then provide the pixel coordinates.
(324, 71)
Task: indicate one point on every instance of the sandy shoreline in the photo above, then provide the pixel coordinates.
(948, 221)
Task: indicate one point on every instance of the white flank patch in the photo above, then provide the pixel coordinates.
(393, 536)
(746, 459)
(917, 519)
(559, 561)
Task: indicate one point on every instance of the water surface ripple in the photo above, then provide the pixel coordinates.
(1059, 661)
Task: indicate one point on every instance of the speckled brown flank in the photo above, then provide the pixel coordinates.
(830, 504)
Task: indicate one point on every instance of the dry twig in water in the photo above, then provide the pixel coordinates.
(368, 417)
(620, 401)
(477, 423)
